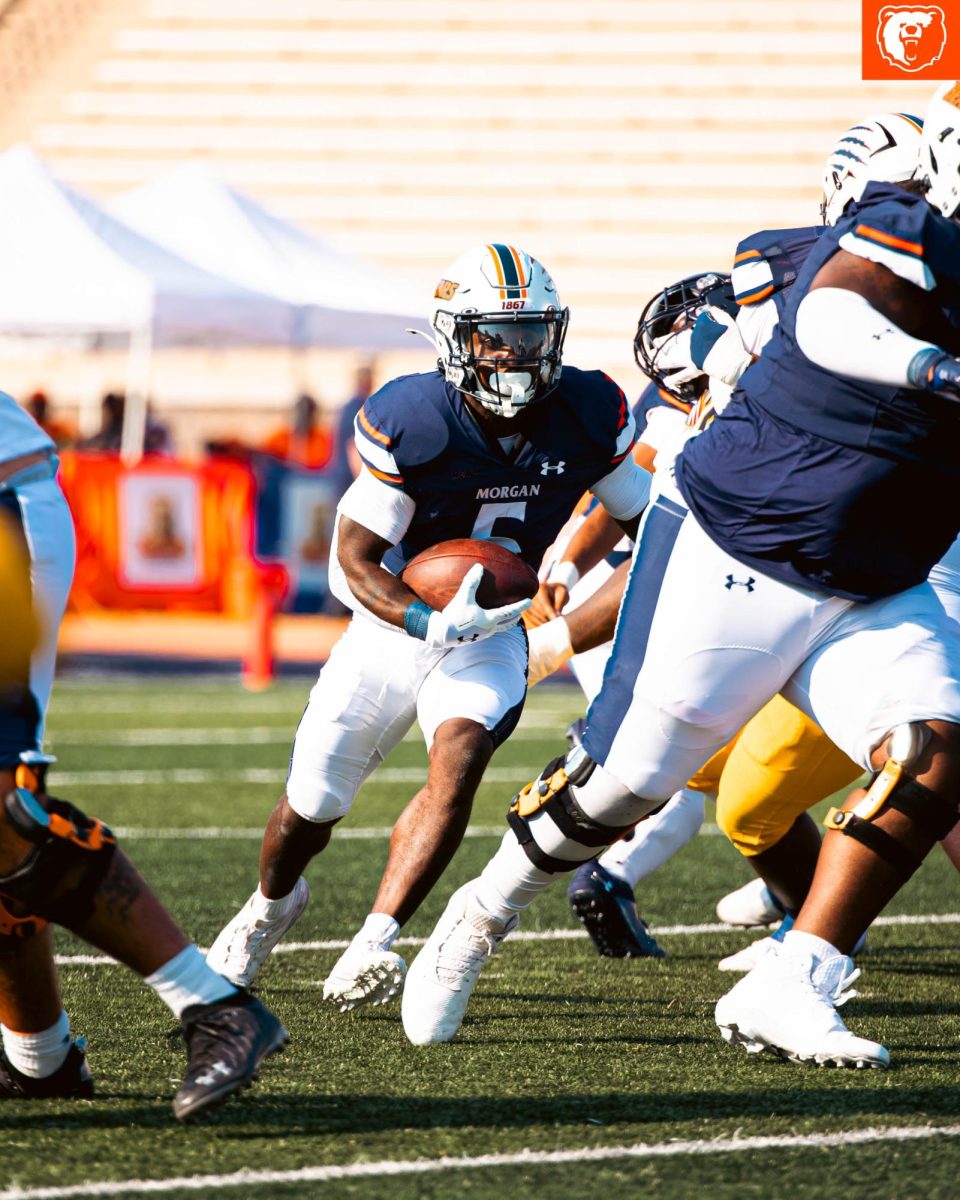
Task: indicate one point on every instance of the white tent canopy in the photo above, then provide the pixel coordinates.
(344, 301)
(70, 267)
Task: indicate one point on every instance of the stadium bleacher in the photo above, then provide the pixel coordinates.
(621, 147)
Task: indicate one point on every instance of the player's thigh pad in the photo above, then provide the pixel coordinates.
(701, 644)
(360, 707)
(781, 764)
(483, 681)
(888, 663)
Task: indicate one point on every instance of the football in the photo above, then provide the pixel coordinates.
(436, 573)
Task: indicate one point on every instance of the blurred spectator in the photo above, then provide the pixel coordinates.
(109, 435)
(306, 440)
(59, 432)
(157, 438)
(347, 465)
(228, 447)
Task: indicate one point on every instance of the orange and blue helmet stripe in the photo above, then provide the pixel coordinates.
(512, 269)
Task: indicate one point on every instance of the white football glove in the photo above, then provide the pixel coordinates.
(549, 649)
(463, 620)
(673, 358)
(717, 347)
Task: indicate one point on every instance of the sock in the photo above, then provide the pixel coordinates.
(379, 929)
(656, 839)
(186, 979)
(38, 1054)
(268, 909)
(809, 943)
(510, 882)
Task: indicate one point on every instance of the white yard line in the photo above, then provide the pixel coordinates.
(530, 727)
(525, 1158)
(201, 775)
(358, 832)
(535, 935)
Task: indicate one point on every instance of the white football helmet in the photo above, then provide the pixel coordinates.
(499, 328)
(940, 153)
(885, 149)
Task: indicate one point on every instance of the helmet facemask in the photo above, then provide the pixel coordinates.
(661, 343)
(506, 361)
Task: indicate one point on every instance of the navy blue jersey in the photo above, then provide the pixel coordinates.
(419, 434)
(826, 481)
(767, 264)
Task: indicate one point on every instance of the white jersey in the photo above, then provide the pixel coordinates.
(19, 432)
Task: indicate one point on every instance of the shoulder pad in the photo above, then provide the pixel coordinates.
(903, 233)
(769, 261)
(400, 426)
(604, 413)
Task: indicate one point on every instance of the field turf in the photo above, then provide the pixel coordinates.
(578, 1075)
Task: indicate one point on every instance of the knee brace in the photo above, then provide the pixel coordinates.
(71, 854)
(17, 925)
(32, 771)
(551, 794)
(892, 787)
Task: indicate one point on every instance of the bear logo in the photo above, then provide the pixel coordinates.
(911, 38)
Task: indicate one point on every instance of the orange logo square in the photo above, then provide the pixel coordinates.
(911, 41)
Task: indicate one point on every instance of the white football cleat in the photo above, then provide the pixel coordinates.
(750, 956)
(243, 945)
(365, 973)
(750, 906)
(444, 972)
(788, 1005)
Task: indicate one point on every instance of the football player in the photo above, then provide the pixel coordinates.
(813, 515)
(499, 443)
(781, 763)
(58, 865)
(603, 900)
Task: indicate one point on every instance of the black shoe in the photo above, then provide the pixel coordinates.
(606, 908)
(72, 1080)
(226, 1043)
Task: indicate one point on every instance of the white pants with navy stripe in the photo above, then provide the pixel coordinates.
(703, 642)
(376, 682)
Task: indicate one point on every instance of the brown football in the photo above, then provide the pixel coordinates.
(436, 573)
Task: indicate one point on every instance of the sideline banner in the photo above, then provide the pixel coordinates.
(162, 535)
(296, 508)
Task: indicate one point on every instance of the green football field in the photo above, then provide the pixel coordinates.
(572, 1076)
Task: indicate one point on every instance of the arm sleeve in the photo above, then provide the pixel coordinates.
(842, 332)
(625, 491)
(384, 510)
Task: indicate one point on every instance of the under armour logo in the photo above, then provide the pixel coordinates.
(218, 1068)
(747, 583)
(557, 467)
(473, 637)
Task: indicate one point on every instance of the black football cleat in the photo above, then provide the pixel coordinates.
(72, 1080)
(606, 908)
(226, 1043)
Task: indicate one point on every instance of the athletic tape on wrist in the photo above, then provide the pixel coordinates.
(416, 618)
